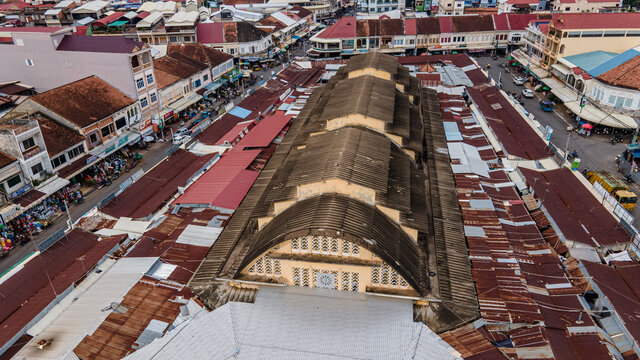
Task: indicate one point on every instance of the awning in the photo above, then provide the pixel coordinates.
(185, 102)
(215, 85)
(539, 72)
(561, 69)
(296, 37)
(77, 166)
(52, 185)
(593, 114)
(118, 23)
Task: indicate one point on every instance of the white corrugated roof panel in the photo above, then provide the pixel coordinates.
(80, 313)
(91, 6)
(199, 235)
(278, 15)
(285, 323)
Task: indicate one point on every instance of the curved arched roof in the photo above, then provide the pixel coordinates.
(344, 217)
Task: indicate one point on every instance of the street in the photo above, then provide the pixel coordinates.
(596, 152)
(151, 157)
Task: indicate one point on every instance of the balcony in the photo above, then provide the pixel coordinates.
(31, 152)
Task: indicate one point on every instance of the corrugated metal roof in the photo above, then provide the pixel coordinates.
(265, 131)
(82, 311)
(219, 179)
(283, 323)
(199, 235)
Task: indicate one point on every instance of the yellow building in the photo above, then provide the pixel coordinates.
(571, 34)
(351, 201)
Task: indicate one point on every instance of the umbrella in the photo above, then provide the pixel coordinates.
(545, 88)
(587, 126)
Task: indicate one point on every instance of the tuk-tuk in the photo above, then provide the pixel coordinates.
(546, 105)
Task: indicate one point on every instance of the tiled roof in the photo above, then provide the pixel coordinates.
(32, 29)
(520, 21)
(164, 79)
(271, 21)
(85, 101)
(109, 19)
(472, 23)
(343, 28)
(301, 12)
(445, 24)
(210, 33)
(100, 44)
(500, 22)
(5, 159)
(391, 27)
(175, 67)
(597, 21)
(57, 138)
(427, 26)
(626, 75)
(410, 27)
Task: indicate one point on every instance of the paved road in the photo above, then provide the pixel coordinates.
(596, 152)
(151, 157)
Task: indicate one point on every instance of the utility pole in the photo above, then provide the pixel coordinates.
(566, 148)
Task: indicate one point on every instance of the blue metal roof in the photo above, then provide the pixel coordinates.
(589, 60)
(614, 62)
(240, 112)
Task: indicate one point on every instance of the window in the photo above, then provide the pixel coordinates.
(205, 77)
(93, 138)
(197, 83)
(627, 102)
(75, 151)
(58, 161)
(145, 58)
(13, 181)
(561, 49)
(135, 62)
(153, 97)
(187, 38)
(633, 33)
(107, 130)
(592, 34)
(172, 39)
(120, 123)
(150, 79)
(614, 33)
(612, 99)
(28, 144)
(144, 102)
(574, 34)
(36, 169)
(140, 83)
(29, 62)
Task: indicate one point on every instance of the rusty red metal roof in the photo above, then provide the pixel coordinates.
(265, 131)
(150, 192)
(41, 280)
(219, 179)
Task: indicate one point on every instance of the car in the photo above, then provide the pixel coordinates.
(179, 139)
(518, 80)
(527, 93)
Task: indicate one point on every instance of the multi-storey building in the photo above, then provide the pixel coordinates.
(29, 54)
(474, 33)
(240, 39)
(23, 140)
(586, 6)
(571, 34)
(92, 108)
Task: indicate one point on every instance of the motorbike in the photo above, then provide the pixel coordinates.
(628, 178)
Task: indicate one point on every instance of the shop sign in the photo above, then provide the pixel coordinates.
(20, 191)
(145, 124)
(123, 140)
(110, 149)
(168, 115)
(91, 159)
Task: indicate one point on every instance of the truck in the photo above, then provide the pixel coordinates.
(616, 187)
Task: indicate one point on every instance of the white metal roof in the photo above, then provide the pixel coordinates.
(131, 226)
(302, 323)
(280, 16)
(150, 20)
(183, 18)
(80, 313)
(54, 11)
(64, 4)
(91, 6)
(199, 235)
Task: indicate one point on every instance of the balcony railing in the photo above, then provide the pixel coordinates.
(31, 152)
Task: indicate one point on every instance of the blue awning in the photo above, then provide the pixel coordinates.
(240, 112)
(296, 37)
(215, 85)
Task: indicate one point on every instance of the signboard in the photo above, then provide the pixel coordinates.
(549, 132)
(20, 191)
(575, 164)
(91, 159)
(168, 115)
(145, 124)
(583, 101)
(123, 140)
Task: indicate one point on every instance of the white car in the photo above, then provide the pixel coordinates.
(527, 93)
(518, 80)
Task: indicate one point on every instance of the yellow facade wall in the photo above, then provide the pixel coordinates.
(287, 267)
